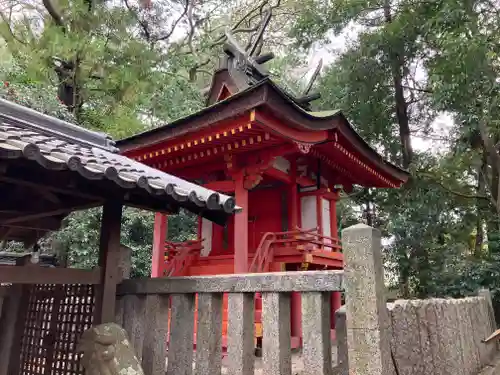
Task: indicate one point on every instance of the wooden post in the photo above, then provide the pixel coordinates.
(319, 215)
(336, 296)
(336, 304)
(109, 259)
(293, 196)
(159, 237)
(296, 314)
(333, 218)
(295, 301)
(241, 227)
(11, 328)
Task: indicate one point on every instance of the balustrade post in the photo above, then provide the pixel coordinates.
(316, 340)
(154, 346)
(125, 267)
(276, 340)
(209, 334)
(134, 307)
(180, 347)
(341, 338)
(241, 334)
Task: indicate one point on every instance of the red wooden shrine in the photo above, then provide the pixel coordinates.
(284, 164)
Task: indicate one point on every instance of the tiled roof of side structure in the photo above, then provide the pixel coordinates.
(10, 259)
(58, 145)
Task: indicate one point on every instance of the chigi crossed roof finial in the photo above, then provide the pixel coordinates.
(246, 65)
(245, 60)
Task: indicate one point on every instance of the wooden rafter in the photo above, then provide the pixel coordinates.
(49, 188)
(45, 214)
(47, 224)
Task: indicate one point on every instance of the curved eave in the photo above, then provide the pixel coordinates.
(231, 107)
(300, 119)
(264, 94)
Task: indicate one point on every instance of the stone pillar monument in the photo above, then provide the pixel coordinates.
(368, 325)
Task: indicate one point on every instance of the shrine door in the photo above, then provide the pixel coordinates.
(266, 214)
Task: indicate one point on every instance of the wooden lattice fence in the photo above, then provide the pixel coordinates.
(55, 316)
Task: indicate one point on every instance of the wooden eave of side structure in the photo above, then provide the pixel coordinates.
(265, 97)
(50, 168)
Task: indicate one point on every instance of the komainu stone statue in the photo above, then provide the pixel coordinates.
(107, 351)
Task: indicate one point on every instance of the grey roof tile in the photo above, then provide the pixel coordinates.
(23, 136)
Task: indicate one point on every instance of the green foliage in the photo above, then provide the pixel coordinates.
(440, 228)
(137, 68)
(79, 237)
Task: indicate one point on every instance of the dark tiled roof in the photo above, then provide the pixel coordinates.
(58, 145)
(9, 259)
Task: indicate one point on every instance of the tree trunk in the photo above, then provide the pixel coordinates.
(397, 64)
(480, 206)
(396, 60)
(423, 272)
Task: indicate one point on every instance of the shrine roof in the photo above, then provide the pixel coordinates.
(268, 96)
(32, 144)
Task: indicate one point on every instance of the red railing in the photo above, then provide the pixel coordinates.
(183, 254)
(303, 240)
(315, 241)
(180, 256)
(263, 255)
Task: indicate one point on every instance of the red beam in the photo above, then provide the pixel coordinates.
(278, 175)
(220, 186)
(189, 136)
(194, 171)
(304, 181)
(321, 192)
(282, 176)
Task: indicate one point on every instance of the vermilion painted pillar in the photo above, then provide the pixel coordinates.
(319, 214)
(293, 220)
(159, 237)
(336, 301)
(241, 227)
(296, 314)
(333, 218)
(293, 196)
(336, 298)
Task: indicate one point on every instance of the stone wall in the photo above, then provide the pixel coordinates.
(434, 336)
(441, 336)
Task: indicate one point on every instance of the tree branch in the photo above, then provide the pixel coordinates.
(487, 186)
(176, 22)
(9, 27)
(144, 25)
(56, 17)
(457, 193)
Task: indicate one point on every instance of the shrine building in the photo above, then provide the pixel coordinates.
(284, 164)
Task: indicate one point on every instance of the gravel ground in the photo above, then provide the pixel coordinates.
(297, 363)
